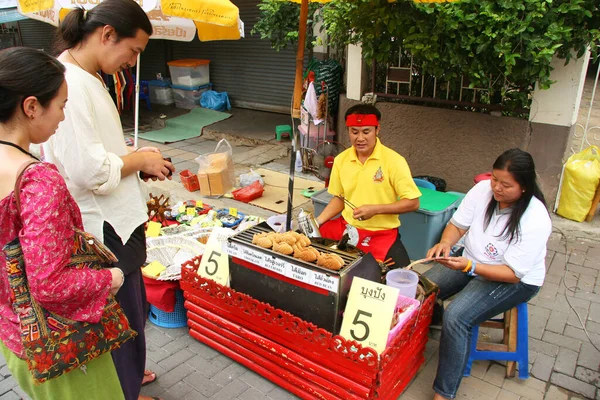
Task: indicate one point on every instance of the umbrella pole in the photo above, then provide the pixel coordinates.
(296, 107)
(136, 120)
(300, 59)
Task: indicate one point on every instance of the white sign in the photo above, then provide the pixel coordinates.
(282, 267)
(215, 260)
(369, 313)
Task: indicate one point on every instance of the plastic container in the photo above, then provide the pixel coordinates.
(423, 228)
(403, 280)
(460, 195)
(411, 307)
(249, 193)
(320, 200)
(189, 97)
(482, 177)
(189, 180)
(317, 136)
(189, 72)
(175, 319)
(235, 221)
(160, 92)
(277, 223)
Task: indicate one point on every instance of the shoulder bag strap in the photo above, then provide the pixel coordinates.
(17, 189)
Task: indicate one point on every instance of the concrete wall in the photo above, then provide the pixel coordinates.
(457, 145)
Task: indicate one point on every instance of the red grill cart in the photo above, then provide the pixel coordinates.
(297, 355)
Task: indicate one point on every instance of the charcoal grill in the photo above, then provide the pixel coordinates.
(311, 292)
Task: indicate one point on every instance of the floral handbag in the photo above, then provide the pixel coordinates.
(55, 345)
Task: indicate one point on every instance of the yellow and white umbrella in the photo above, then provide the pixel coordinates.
(172, 19)
(178, 20)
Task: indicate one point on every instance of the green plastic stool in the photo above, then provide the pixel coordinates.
(281, 130)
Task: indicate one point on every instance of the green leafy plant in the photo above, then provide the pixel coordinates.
(279, 23)
(507, 45)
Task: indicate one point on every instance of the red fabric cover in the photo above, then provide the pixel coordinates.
(378, 245)
(161, 294)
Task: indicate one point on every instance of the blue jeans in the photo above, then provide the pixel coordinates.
(478, 300)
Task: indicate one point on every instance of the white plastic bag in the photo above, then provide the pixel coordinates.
(249, 178)
(311, 103)
(215, 172)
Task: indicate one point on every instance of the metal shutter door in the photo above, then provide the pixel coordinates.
(249, 70)
(37, 34)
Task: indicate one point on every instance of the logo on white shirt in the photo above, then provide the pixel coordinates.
(491, 251)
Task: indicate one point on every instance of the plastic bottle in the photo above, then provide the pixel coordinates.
(298, 165)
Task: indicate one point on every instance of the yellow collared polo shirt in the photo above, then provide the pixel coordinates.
(383, 179)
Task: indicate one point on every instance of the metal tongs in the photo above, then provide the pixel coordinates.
(348, 203)
(352, 206)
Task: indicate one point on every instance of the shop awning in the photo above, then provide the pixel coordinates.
(8, 12)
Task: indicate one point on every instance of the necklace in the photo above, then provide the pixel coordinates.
(22, 150)
(74, 59)
(97, 76)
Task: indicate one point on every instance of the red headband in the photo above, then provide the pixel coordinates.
(362, 120)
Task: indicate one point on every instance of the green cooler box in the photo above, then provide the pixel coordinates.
(423, 228)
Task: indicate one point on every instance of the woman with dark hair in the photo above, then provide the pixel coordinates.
(33, 94)
(506, 226)
(101, 173)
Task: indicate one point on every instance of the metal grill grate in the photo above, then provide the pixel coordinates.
(245, 238)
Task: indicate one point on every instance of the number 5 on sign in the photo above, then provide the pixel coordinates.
(369, 313)
(215, 261)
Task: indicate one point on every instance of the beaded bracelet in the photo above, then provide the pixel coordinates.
(468, 267)
(472, 271)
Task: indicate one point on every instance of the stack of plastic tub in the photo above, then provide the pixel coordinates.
(160, 92)
(191, 78)
(189, 97)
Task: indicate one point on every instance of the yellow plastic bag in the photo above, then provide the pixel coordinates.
(580, 180)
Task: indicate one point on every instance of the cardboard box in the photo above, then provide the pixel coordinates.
(217, 179)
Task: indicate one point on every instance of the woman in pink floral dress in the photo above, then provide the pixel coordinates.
(33, 94)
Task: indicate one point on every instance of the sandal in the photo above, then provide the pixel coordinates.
(149, 377)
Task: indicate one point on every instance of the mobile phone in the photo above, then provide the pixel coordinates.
(145, 176)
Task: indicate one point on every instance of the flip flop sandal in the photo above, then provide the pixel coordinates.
(151, 380)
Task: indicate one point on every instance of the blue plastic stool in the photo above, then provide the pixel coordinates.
(424, 184)
(515, 340)
(175, 319)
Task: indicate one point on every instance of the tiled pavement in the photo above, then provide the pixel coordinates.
(563, 362)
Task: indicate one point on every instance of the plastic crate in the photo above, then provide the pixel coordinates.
(175, 319)
(160, 92)
(189, 97)
(423, 228)
(189, 180)
(189, 72)
(316, 136)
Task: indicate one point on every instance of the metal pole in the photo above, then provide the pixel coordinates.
(290, 205)
(136, 122)
(300, 59)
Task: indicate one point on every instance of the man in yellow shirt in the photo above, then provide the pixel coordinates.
(371, 185)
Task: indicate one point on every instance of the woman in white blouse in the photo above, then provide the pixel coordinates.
(506, 226)
(90, 152)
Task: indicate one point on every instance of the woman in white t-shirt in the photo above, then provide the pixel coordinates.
(506, 226)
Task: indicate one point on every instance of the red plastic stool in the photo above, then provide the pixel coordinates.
(482, 177)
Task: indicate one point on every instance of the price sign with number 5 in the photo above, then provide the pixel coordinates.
(215, 261)
(369, 313)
